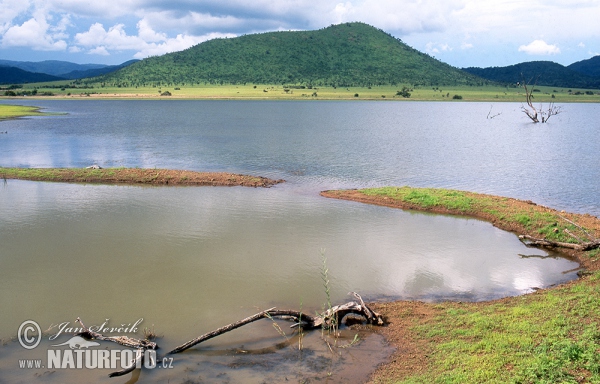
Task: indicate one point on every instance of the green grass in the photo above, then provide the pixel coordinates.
(550, 337)
(12, 111)
(278, 92)
(542, 223)
(426, 197)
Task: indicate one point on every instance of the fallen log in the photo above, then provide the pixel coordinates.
(557, 244)
(332, 316)
(122, 340)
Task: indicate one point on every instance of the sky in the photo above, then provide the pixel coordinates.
(462, 33)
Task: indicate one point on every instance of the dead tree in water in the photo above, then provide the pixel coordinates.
(334, 315)
(535, 114)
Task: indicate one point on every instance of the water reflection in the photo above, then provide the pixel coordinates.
(224, 248)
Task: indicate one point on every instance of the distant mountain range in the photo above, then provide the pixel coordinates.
(582, 74)
(348, 54)
(12, 72)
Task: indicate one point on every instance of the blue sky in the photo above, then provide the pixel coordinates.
(462, 33)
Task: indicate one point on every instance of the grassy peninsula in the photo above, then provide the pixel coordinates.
(549, 336)
(136, 176)
(13, 111)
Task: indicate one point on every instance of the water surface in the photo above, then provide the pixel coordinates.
(189, 260)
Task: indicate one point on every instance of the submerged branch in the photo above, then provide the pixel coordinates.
(337, 312)
(300, 319)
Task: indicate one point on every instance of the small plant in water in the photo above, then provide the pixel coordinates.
(149, 333)
(277, 327)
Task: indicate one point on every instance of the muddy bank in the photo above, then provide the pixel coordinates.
(136, 176)
(513, 215)
(421, 332)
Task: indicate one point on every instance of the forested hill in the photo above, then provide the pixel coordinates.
(340, 55)
(590, 67)
(13, 75)
(541, 72)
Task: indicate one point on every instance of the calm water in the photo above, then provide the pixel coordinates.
(189, 260)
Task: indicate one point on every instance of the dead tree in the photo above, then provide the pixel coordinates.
(537, 114)
(334, 315)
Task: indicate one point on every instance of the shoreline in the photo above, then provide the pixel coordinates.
(485, 341)
(137, 176)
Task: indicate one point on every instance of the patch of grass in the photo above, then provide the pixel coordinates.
(250, 91)
(426, 197)
(14, 111)
(549, 337)
(539, 221)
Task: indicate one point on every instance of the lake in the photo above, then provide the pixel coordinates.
(188, 260)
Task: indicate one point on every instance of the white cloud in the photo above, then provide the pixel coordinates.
(539, 47)
(581, 45)
(36, 34)
(99, 51)
(146, 43)
(437, 47)
(466, 45)
(178, 43)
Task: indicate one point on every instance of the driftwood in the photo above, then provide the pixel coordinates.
(333, 316)
(584, 246)
(122, 340)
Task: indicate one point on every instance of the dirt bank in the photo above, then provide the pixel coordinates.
(136, 176)
(417, 353)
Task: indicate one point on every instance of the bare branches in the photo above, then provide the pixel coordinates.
(122, 340)
(531, 111)
(490, 116)
(221, 331)
(333, 315)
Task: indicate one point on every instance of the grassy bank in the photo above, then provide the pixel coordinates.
(549, 336)
(279, 92)
(13, 111)
(135, 176)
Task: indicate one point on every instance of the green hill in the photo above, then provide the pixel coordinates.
(13, 75)
(547, 73)
(351, 54)
(590, 67)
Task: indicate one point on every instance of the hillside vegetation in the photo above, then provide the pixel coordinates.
(546, 72)
(351, 54)
(13, 75)
(590, 67)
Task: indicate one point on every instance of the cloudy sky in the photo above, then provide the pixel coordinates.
(460, 32)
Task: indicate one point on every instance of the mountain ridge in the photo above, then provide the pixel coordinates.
(545, 73)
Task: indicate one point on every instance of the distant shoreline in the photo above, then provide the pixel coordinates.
(543, 94)
(137, 176)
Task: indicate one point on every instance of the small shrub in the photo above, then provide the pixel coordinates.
(404, 92)
(356, 95)
(457, 97)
